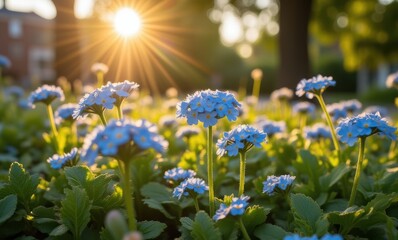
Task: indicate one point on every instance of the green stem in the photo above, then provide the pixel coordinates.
(102, 117)
(330, 123)
(243, 229)
(210, 169)
(128, 199)
(119, 112)
(391, 150)
(53, 127)
(242, 156)
(195, 201)
(256, 88)
(100, 79)
(358, 170)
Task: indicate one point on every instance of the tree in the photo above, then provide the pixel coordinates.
(67, 41)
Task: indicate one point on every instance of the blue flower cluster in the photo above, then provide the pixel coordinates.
(272, 127)
(304, 108)
(168, 121)
(131, 136)
(317, 131)
(178, 174)
(120, 90)
(236, 208)
(377, 109)
(103, 98)
(392, 80)
(281, 94)
(314, 237)
(58, 161)
(273, 183)
(315, 85)
(342, 109)
(187, 131)
(4, 62)
(240, 139)
(190, 186)
(208, 106)
(65, 112)
(45, 94)
(14, 92)
(363, 125)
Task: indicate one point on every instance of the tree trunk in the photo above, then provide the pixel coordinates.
(294, 65)
(67, 41)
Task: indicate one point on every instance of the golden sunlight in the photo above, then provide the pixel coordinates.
(127, 22)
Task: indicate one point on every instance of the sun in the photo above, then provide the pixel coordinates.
(127, 22)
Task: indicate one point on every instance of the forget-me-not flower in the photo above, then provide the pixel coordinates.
(274, 184)
(363, 125)
(236, 207)
(190, 186)
(304, 108)
(46, 94)
(317, 131)
(240, 139)
(58, 161)
(282, 94)
(315, 85)
(178, 174)
(122, 139)
(65, 112)
(208, 106)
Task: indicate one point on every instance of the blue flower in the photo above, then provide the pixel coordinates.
(329, 236)
(274, 184)
(364, 125)
(374, 109)
(4, 62)
(65, 112)
(317, 131)
(240, 139)
(237, 207)
(336, 111)
(297, 237)
(58, 161)
(315, 85)
(177, 174)
(46, 94)
(94, 102)
(281, 94)
(14, 92)
(208, 106)
(120, 90)
(187, 131)
(304, 108)
(168, 121)
(272, 127)
(190, 186)
(122, 139)
(352, 106)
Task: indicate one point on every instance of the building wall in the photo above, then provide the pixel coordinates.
(28, 41)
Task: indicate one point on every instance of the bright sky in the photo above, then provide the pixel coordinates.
(46, 8)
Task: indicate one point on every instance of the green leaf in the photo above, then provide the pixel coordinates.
(228, 228)
(346, 219)
(328, 180)
(158, 206)
(203, 228)
(254, 216)
(78, 175)
(150, 229)
(306, 213)
(75, 210)
(186, 222)
(311, 167)
(96, 188)
(60, 230)
(269, 232)
(7, 207)
(22, 183)
(156, 191)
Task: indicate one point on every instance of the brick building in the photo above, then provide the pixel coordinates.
(28, 41)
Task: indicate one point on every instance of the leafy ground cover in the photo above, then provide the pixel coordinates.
(120, 164)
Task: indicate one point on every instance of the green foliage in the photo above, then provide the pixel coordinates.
(151, 229)
(75, 210)
(203, 228)
(7, 207)
(269, 232)
(308, 215)
(158, 196)
(254, 216)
